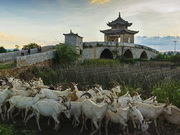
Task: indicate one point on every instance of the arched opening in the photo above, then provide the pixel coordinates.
(128, 54)
(106, 54)
(143, 55)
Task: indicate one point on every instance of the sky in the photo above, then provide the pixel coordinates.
(44, 21)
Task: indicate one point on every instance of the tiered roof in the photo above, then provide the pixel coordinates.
(122, 29)
(119, 21)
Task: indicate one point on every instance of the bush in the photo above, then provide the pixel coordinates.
(30, 46)
(2, 50)
(170, 90)
(65, 54)
(175, 59)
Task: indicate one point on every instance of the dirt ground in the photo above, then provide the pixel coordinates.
(66, 128)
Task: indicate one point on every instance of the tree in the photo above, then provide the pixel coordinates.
(2, 49)
(16, 48)
(65, 54)
(30, 46)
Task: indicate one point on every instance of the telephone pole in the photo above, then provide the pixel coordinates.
(175, 46)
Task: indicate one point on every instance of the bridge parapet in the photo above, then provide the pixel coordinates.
(117, 44)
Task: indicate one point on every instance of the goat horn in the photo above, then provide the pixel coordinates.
(114, 82)
(87, 94)
(110, 98)
(165, 101)
(65, 98)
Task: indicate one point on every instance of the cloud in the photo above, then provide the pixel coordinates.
(100, 1)
(161, 43)
(6, 37)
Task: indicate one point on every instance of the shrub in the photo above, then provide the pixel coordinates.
(65, 54)
(175, 59)
(170, 90)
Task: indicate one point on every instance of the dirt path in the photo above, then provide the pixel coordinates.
(67, 129)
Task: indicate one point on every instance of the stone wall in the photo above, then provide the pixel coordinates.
(27, 60)
(11, 56)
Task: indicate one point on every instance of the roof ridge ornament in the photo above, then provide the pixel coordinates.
(70, 31)
(119, 14)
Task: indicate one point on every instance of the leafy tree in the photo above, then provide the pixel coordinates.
(65, 54)
(2, 49)
(175, 59)
(30, 46)
(16, 48)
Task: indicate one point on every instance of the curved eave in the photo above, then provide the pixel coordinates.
(119, 24)
(111, 32)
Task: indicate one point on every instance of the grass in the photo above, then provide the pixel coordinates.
(7, 66)
(11, 130)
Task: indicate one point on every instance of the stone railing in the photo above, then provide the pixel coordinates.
(11, 56)
(27, 60)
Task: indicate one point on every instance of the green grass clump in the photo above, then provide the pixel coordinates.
(11, 130)
(170, 90)
(7, 66)
(100, 62)
(6, 130)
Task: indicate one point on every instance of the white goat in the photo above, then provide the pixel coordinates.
(122, 116)
(22, 102)
(76, 112)
(3, 96)
(48, 108)
(95, 112)
(151, 112)
(174, 118)
(125, 99)
(54, 94)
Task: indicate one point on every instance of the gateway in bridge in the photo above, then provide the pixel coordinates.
(118, 42)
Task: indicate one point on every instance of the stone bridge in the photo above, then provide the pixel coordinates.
(96, 50)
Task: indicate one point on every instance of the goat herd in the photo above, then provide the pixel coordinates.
(99, 105)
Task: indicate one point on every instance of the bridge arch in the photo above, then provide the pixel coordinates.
(144, 55)
(106, 54)
(128, 54)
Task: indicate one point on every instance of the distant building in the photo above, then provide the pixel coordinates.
(74, 40)
(119, 31)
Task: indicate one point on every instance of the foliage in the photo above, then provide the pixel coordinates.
(175, 59)
(140, 59)
(100, 62)
(2, 49)
(10, 130)
(16, 48)
(30, 46)
(7, 66)
(170, 90)
(65, 54)
(168, 57)
(127, 60)
(6, 130)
